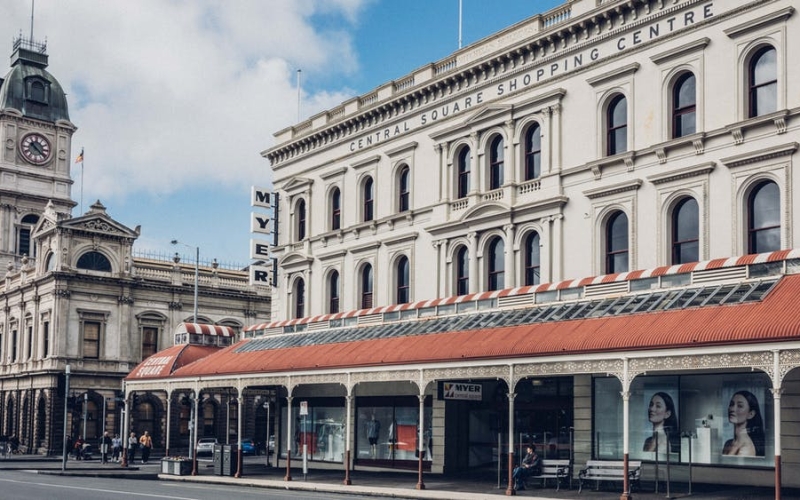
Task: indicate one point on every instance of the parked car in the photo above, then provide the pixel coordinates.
(248, 447)
(205, 446)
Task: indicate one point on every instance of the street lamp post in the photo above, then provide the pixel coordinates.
(266, 439)
(196, 273)
(66, 409)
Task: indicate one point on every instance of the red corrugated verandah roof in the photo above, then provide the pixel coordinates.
(772, 320)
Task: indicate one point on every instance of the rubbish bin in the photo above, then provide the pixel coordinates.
(230, 459)
(217, 459)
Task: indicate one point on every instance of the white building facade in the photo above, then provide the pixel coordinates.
(538, 238)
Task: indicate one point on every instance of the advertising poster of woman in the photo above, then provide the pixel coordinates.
(663, 434)
(745, 424)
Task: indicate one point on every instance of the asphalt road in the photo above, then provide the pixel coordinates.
(25, 485)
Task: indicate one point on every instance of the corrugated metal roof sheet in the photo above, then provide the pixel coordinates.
(164, 363)
(768, 320)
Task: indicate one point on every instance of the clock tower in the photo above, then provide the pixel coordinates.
(35, 150)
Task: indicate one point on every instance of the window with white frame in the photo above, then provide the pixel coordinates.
(616, 243)
(496, 162)
(763, 218)
(762, 82)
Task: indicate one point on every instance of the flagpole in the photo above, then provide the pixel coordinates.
(459, 22)
(80, 159)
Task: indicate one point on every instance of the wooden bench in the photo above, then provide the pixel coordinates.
(553, 469)
(608, 470)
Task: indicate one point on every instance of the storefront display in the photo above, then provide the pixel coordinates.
(388, 429)
(711, 419)
(321, 431)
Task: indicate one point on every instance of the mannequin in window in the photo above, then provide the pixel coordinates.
(373, 431)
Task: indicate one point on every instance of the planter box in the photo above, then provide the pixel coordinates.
(176, 466)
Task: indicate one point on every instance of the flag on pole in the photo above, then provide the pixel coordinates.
(79, 158)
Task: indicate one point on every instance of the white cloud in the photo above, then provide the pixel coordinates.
(173, 94)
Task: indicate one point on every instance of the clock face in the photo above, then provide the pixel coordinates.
(35, 148)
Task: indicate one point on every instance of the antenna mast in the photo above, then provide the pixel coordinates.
(33, 2)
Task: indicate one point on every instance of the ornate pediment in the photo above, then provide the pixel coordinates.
(98, 223)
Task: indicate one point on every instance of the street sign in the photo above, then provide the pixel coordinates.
(303, 407)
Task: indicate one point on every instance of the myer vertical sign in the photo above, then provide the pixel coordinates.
(462, 391)
(261, 225)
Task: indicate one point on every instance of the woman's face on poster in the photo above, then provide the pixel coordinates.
(657, 412)
(739, 410)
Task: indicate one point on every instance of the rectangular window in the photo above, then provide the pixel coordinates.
(91, 340)
(30, 342)
(149, 341)
(322, 430)
(13, 345)
(46, 338)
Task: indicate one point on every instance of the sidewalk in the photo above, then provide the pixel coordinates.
(475, 486)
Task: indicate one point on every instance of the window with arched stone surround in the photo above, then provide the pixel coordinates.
(464, 171)
(533, 152)
(333, 292)
(616, 243)
(462, 270)
(685, 231)
(533, 265)
(762, 82)
(617, 125)
(764, 218)
(495, 266)
(402, 280)
(684, 105)
(496, 162)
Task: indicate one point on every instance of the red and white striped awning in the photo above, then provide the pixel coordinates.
(204, 329)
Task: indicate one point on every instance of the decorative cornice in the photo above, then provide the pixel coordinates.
(682, 173)
(760, 155)
(622, 187)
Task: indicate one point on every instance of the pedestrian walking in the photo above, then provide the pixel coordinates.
(147, 444)
(105, 446)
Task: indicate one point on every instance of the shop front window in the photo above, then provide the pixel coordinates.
(388, 430)
(321, 431)
(726, 417)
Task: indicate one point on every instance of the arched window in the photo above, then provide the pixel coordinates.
(299, 298)
(369, 199)
(617, 243)
(684, 100)
(763, 82)
(764, 218)
(333, 292)
(496, 163)
(50, 263)
(336, 209)
(403, 294)
(532, 260)
(403, 188)
(301, 220)
(617, 126)
(94, 261)
(25, 244)
(366, 287)
(685, 232)
(496, 265)
(462, 271)
(463, 172)
(533, 152)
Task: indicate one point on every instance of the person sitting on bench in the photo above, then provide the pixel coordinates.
(530, 466)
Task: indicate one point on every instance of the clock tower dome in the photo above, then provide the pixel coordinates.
(35, 150)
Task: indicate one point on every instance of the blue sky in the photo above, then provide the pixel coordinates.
(174, 101)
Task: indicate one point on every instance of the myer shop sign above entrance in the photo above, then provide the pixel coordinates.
(461, 391)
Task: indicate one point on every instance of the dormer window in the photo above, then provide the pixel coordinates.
(37, 90)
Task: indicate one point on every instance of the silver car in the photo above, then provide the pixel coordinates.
(205, 446)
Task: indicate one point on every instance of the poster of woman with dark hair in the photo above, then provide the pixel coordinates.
(744, 413)
(663, 416)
